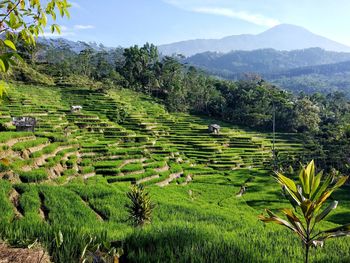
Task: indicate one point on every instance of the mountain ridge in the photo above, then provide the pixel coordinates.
(281, 37)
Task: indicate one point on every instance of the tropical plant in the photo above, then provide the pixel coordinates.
(309, 197)
(25, 20)
(140, 207)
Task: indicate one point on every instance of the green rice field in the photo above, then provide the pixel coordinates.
(73, 172)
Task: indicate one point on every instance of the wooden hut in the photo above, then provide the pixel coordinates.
(76, 108)
(24, 123)
(214, 128)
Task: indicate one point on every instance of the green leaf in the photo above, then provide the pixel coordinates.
(340, 182)
(323, 188)
(287, 182)
(10, 44)
(326, 211)
(16, 55)
(3, 88)
(275, 219)
(343, 228)
(316, 184)
(2, 65)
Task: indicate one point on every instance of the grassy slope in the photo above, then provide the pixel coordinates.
(202, 221)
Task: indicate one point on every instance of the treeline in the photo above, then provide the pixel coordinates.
(322, 119)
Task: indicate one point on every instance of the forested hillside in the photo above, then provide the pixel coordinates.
(310, 70)
(251, 103)
(264, 61)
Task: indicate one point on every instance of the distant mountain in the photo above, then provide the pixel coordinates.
(263, 60)
(307, 70)
(75, 46)
(281, 37)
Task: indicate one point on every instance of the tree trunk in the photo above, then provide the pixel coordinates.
(307, 254)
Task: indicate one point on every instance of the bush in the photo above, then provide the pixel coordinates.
(140, 207)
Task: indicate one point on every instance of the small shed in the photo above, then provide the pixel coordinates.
(24, 123)
(76, 108)
(214, 128)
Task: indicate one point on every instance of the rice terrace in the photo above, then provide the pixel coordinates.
(195, 151)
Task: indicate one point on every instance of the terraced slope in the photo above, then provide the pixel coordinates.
(150, 145)
(74, 171)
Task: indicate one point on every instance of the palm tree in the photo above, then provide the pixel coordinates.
(309, 197)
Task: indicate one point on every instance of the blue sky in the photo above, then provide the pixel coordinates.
(129, 22)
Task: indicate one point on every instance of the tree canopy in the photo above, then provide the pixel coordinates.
(25, 20)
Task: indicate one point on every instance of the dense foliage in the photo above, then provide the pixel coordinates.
(308, 70)
(250, 103)
(264, 60)
(24, 21)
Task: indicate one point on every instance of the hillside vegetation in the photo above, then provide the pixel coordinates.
(82, 164)
(309, 70)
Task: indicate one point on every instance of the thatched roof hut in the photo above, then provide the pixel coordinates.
(214, 128)
(24, 123)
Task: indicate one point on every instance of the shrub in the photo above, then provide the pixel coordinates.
(309, 197)
(140, 207)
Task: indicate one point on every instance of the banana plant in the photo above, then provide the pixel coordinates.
(308, 198)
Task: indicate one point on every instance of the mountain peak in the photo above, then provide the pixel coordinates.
(281, 37)
(286, 29)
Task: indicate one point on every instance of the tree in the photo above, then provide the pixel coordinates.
(140, 209)
(140, 66)
(306, 115)
(25, 20)
(309, 197)
(84, 62)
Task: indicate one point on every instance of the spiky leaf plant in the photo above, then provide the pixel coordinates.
(308, 197)
(140, 207)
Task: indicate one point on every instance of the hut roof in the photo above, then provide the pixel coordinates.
(24, 121)
(215, 126)
(76, 107)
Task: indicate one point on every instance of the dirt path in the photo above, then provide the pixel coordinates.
(132, 161)
(86, 176)
(169, 179)
(37, 148)
(12, 255)
(162, 169)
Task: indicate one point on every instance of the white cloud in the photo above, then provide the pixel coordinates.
(211, 7)
(66, 31)
(83, 27)
(227, 12)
